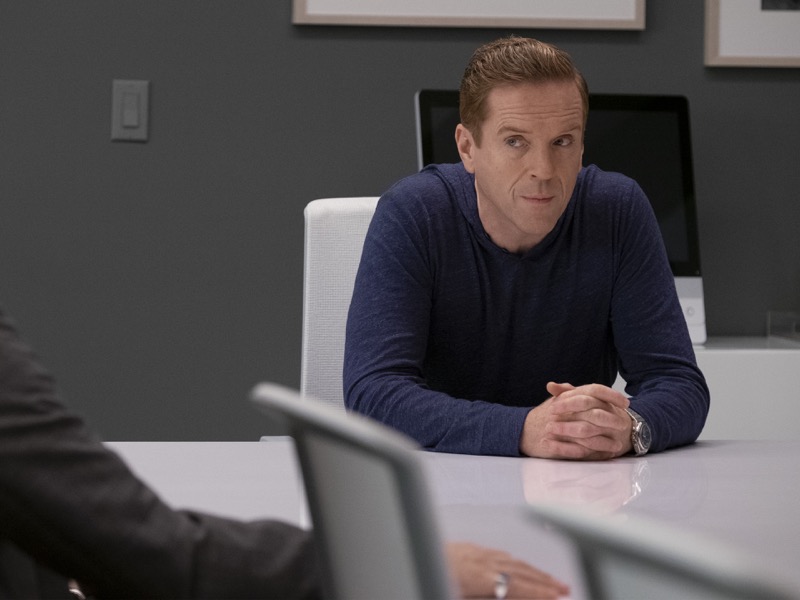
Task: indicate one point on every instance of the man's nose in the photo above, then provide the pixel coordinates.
(540, 163)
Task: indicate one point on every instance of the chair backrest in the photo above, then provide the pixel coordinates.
(368, 497)
(334, 236)
(640, 558)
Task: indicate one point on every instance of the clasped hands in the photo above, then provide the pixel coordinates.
(588, 422)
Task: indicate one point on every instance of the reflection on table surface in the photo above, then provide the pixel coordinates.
(740, 492)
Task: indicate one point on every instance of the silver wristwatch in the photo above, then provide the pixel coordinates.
(640, 433)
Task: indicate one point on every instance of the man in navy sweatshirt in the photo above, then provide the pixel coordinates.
(498, 298)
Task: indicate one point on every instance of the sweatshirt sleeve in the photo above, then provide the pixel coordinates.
(387, 336)
(73, 506)
(656, 357)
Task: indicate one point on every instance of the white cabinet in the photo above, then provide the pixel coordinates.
(755, 388)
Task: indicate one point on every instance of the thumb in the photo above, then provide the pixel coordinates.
(556, 389)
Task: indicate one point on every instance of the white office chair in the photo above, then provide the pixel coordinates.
(370, 505)
(334, 235)
(639, 558)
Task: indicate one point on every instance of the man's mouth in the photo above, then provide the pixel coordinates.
(537, 198)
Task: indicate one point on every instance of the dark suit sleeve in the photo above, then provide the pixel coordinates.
(73, 505)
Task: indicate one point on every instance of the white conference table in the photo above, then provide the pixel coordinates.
(744, 493)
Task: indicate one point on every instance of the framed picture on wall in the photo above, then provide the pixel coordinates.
(554, 14)
(752, 33)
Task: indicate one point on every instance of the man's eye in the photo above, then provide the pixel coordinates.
(563, 141)
(514, 142)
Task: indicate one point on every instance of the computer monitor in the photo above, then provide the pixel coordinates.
(646, 137)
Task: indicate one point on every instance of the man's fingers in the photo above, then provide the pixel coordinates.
(477, 569)
(570, 450)
(593, 391)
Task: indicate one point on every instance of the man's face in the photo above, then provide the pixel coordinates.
(528, 160)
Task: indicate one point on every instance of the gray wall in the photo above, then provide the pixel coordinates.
(159, 281)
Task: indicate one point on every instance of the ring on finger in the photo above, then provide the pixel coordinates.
(501, 582)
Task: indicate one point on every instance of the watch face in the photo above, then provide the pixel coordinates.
(642, 437)
(645, 437)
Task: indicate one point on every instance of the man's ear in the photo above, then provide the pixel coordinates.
(466, 147)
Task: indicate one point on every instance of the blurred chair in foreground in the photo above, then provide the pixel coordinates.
(368, 498)
(640, 558)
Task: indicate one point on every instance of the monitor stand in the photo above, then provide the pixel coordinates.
(690, 295)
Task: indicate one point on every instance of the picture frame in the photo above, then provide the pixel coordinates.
(522, 14)
(752, 33)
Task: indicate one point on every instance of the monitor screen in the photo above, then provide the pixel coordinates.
(644, 137)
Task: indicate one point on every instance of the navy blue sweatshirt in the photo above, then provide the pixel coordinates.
(452, 339)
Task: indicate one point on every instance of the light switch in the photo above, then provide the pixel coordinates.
(129, 110)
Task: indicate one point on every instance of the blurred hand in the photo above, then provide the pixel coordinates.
(475, 570)
(582, 423)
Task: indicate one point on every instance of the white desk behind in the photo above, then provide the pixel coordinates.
(755, 388)
(740, 492)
